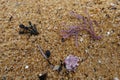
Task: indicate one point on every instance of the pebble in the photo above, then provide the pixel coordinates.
(81, 39)
(26, 67)
(56, 67)
(86, 50)
(99, 61)
(116, 78)
(112, 4)
(108, 33)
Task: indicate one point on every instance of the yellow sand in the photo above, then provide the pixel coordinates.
(18, 51)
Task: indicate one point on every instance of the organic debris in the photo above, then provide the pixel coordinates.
(42, 53)
(11, 17)
(86, 24)
(42, 76)
(62, 40)
(71, 62)
(4, 78)
(58, 67)
(47, 53)
(72, 31)
(28, 29)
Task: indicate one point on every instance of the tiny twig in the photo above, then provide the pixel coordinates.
(41, 51)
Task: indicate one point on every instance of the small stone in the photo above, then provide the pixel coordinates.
(3, 78)
(112, 4)
(81, 39)
(116, 78)
(26, 67)
(108, 33)
(86, 51)
(99, 61)
(56, 67)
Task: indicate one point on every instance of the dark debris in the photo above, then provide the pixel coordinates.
(31, 29)
(11, 17)
(47, 53)
(42, 76)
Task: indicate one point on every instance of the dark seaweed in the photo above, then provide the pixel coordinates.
(28, 29)
(11, 17)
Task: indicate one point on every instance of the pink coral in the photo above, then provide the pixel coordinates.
(71, 62)
(86, 24)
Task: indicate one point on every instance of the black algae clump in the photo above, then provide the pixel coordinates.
(31, 29)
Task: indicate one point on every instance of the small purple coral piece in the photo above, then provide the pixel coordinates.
(71, 62)
(86, 24)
